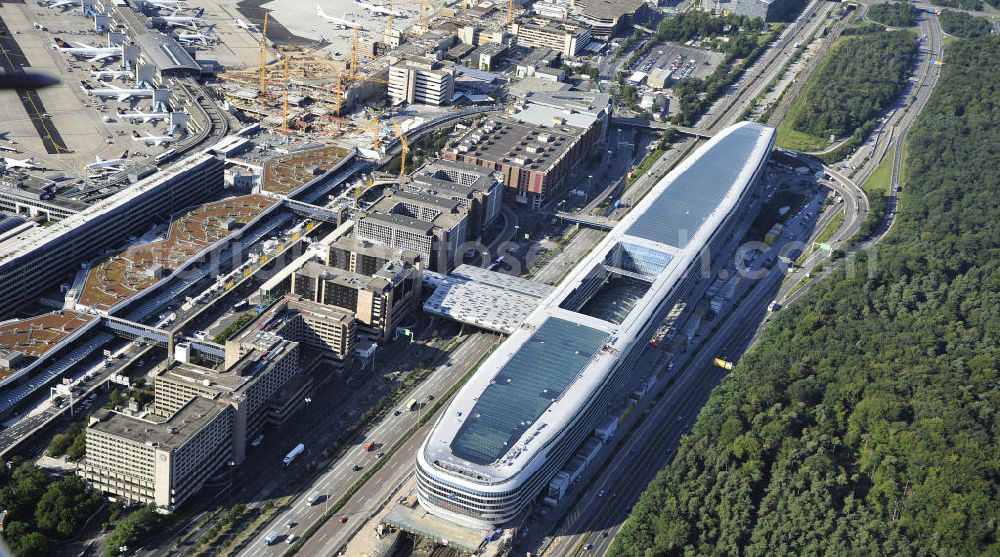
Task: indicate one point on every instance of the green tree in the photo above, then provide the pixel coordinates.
(23, 540)
(893, 14)
(964, 25)
(132, 530)
(65, 506)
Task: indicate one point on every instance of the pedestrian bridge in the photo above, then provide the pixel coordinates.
(654, 125)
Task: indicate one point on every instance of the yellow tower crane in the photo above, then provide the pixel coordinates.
(376, 136)
(338, 92)
(406, 148)
(284, 104)
(355, 45)
(510, 12)
(424, 9)
(388, 26)
(263, 54)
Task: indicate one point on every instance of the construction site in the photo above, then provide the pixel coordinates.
(317, 91)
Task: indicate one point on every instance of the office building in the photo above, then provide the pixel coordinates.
(566, 36)
(476, 190)
(538, 144)
(432, 227)
(379, 300)
(159, 461)
(608, 18)
(537, 398)
(420, 80)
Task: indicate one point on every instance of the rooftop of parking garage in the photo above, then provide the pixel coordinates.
(286, 173)
(139, 267)
(34, 337)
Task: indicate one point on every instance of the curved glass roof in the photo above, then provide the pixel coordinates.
(677, 213)
(524, 387)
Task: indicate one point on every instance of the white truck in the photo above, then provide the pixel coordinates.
(293, 454)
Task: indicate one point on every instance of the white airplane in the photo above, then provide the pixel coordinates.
(65, 3)
(98, 73)
(185, 20)
(150, 139)
(144, 117)
(8, 149)
(166, 4)
(378, 10)
(244, 25)
(202, 38)
(27, 163)
(111, 165)
(342, 22)
(116, 92)
(96, 53)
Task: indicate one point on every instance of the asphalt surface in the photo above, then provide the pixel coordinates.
(341, 475)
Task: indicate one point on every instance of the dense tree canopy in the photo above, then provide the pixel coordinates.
(963, 4)
(40, 507)
(66, 505)
(136, 526)
(893, 14)
(858, 79)
(963, 25)
(865, 421)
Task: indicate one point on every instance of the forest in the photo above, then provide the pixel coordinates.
(961, 24)
(856, 81)
(865, 420)
(963, 4)
(893, 14)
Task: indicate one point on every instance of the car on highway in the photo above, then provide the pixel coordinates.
(601, 493)
(291, 538)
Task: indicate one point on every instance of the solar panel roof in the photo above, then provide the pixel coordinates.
(675, 216)
(524, 387)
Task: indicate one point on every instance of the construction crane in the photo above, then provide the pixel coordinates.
(338, 92)
(388, 26)
(284, 104)
(355, 44)
(263, 54)
(376, 136)
(406, 148)
(424, 9)
(510, 12)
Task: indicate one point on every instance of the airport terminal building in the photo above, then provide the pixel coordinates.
(541, 393)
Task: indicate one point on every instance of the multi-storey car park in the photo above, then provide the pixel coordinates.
(139, 267)
(536, 398)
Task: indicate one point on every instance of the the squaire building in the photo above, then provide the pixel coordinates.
(536, 398)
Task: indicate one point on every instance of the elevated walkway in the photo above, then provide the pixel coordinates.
(654, 125)
(600, 223)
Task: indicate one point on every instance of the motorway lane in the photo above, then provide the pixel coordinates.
(765, 69)
(341, 475)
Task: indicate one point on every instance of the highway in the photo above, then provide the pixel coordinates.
(341, 475)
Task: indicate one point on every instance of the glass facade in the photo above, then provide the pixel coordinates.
(524, 387)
